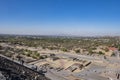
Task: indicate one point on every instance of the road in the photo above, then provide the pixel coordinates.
(83, 57)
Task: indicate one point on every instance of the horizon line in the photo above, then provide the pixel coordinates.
(55, 35)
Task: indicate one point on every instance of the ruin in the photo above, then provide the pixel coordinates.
(15, 71)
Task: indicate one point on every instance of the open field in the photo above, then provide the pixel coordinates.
(61, 58)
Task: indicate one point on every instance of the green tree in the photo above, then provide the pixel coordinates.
(106, 49)
(101, 53)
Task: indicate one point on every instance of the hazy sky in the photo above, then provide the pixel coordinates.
(60, 17)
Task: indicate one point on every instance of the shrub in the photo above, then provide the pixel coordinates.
(101, 53)
(41, 57)
(119, 49)
(90, 51)
(64, 49)
(77, 51)
(106, 49)
(28, 54)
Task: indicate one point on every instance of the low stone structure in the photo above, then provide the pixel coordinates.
(14, 71)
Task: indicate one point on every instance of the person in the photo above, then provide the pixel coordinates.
(118, 76)
(22, 62)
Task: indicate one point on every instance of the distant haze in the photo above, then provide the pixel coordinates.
(60, 17)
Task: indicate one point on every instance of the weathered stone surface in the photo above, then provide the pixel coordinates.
(14, 71)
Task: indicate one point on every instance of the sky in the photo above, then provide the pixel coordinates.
(60, 17)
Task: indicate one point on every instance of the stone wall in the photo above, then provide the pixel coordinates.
(14, 71)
